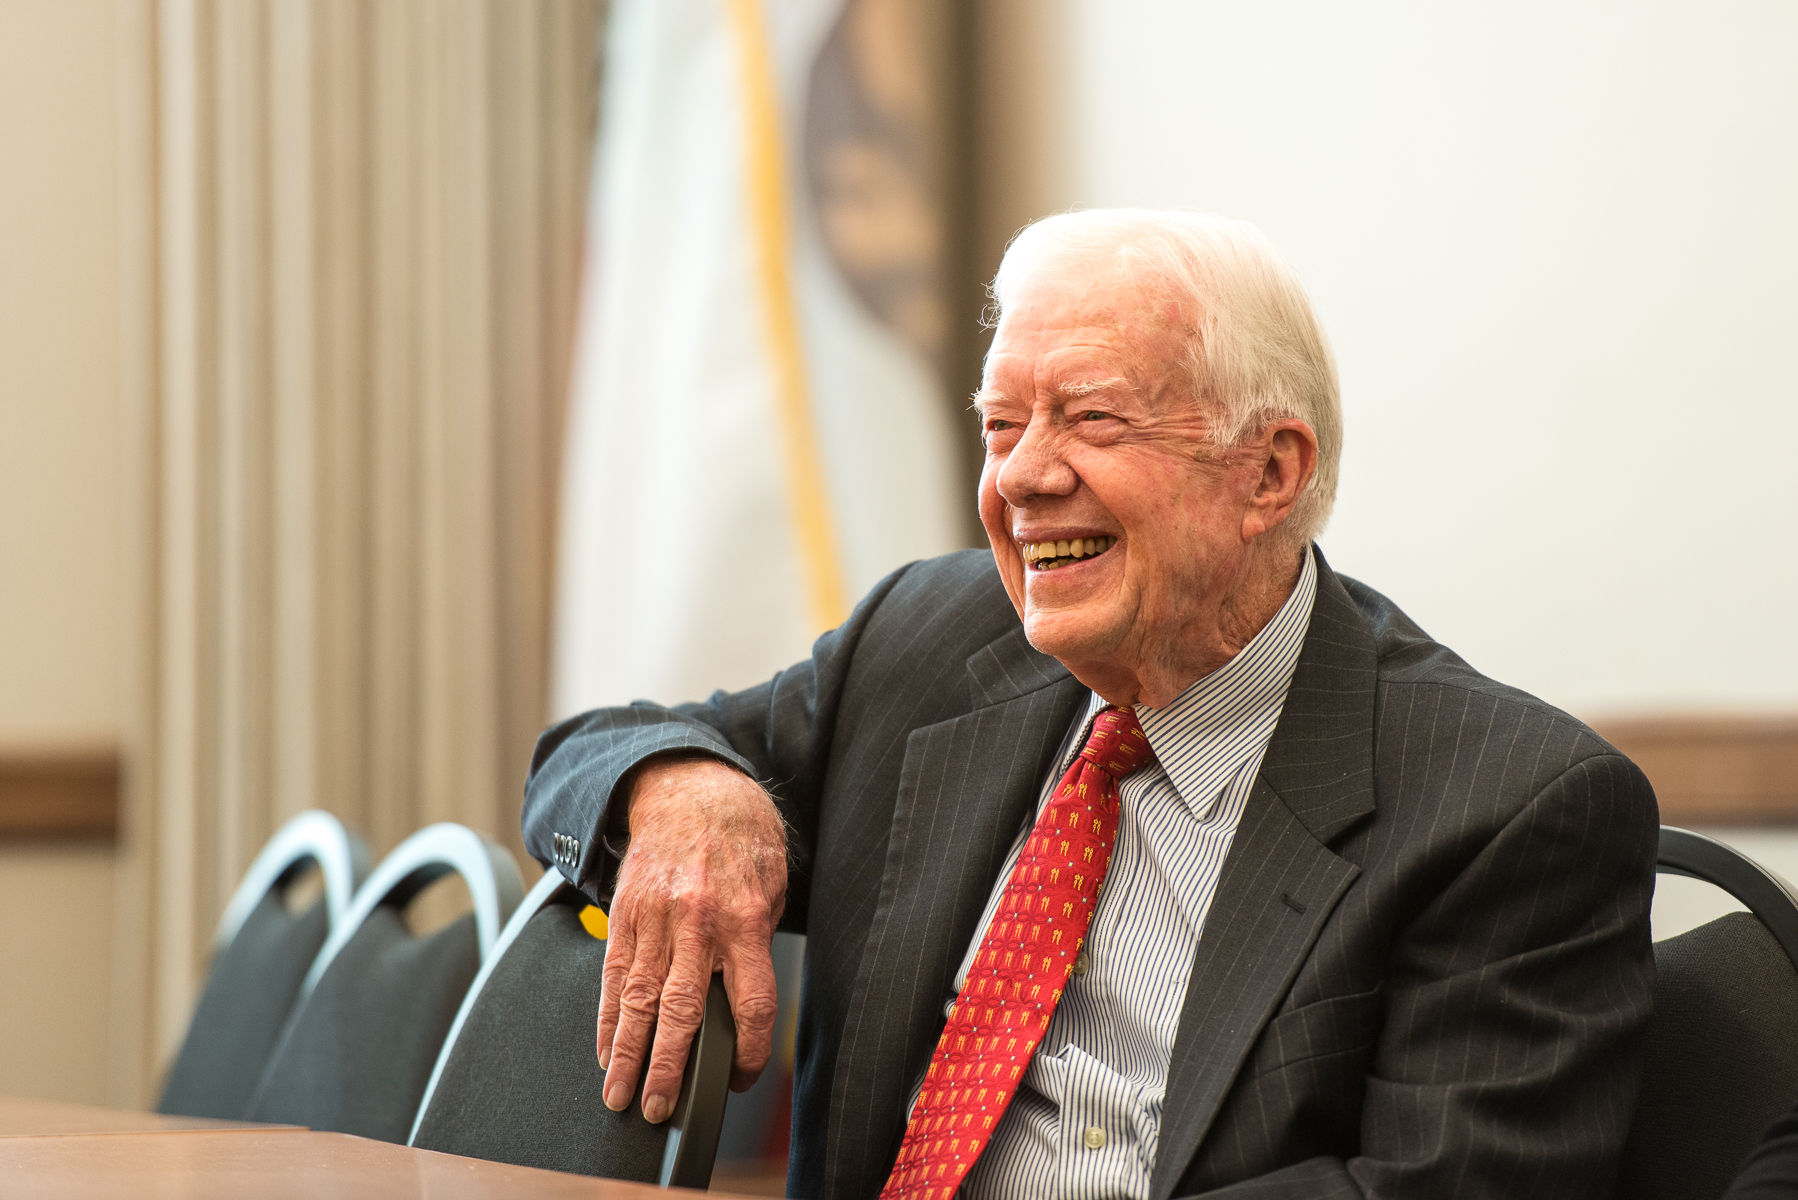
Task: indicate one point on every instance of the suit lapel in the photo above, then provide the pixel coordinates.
(1281, 882)
(1320, 759)
(966, 787)
(1278, 887)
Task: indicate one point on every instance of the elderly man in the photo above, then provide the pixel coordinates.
(1145, 856)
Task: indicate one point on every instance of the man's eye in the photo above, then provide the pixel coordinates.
(1094, 416)
(996, 425)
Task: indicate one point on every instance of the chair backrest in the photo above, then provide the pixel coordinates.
(374, 1007)
(261, 954)
(517, 1080)
(1722, 1056)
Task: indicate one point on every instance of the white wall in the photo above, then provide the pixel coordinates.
(59, 516)
(59, 373)
(56, 906)
(1556, 249)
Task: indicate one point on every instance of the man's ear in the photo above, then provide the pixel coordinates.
(1290, 463)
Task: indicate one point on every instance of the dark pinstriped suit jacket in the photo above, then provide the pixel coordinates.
(1426, 969)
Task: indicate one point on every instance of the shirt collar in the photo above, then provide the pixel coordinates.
(1210, 730)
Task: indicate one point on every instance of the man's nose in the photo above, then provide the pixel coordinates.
(1036, 467)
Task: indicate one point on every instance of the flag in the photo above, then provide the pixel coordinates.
(758, 430)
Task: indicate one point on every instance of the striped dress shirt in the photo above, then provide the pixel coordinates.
(1085, 1123)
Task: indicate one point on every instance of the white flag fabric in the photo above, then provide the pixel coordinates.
(749, 449)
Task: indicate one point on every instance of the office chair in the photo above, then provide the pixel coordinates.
(261, 953)
(517, 1080)
(1721, 1059)
(375, 1005)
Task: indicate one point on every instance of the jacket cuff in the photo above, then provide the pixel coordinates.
(588, 846)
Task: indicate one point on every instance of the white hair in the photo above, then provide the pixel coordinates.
(1255, 351)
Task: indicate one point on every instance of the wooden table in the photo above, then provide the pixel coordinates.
(52, 1118)
(67, 1151)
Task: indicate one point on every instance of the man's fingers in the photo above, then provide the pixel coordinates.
(621, 943)
(639, 998)
(706, 865)
(682, 1007)
(749, 981)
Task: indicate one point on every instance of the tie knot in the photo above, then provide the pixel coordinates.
(1117, 744)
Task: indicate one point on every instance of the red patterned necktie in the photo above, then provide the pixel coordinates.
(1021, 967)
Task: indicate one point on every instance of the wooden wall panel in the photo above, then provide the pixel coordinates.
(1716, 770)
(59, 792)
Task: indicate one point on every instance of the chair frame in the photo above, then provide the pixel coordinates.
(1770, 898)
(311, 836)
(415, 864)
(693, 1129)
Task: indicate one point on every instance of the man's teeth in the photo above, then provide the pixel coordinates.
(1049, 555)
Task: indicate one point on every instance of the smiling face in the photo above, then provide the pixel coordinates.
(1093, 438)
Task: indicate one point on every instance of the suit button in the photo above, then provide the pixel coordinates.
(1095, 1137)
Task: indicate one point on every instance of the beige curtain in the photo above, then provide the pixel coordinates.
(352, 233)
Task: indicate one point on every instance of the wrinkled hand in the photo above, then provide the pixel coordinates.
(700, 890)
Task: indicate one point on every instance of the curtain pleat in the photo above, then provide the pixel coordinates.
(353, 234)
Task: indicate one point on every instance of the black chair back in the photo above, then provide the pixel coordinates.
(358, 1051)
(1722, 1054)
(518, 1082)
(261, 954)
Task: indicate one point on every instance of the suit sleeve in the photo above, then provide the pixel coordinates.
(779, 733)
(1771, 1172)
(1509, 1056)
